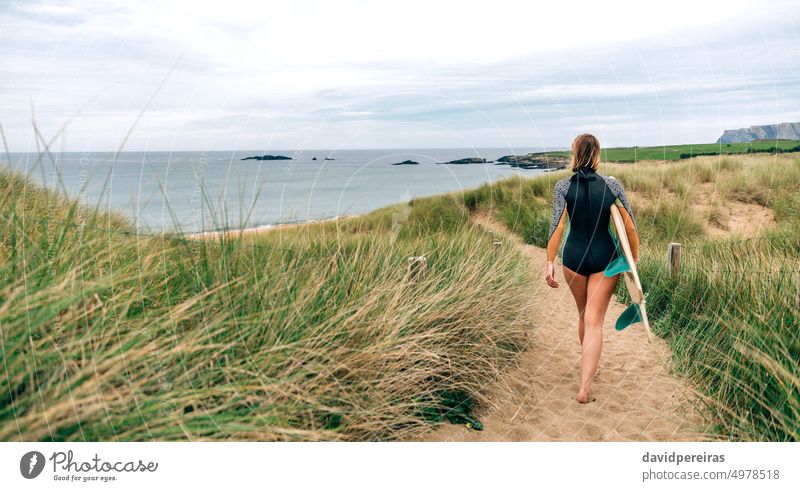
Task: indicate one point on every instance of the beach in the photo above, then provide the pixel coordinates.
(249, 231)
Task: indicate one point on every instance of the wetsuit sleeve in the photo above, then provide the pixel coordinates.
(557, 220)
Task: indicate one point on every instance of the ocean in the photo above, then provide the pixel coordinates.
(196, 191)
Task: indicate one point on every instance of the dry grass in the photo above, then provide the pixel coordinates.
(311, 334)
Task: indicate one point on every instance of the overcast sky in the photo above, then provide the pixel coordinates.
(404, 74)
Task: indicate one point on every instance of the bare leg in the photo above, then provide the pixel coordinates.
(599, 291)
(577, 285)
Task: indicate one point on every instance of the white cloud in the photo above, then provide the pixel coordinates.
(256, 74)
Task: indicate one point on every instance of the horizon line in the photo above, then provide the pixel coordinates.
(553, 148)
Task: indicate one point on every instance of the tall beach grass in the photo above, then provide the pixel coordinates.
(313, 333)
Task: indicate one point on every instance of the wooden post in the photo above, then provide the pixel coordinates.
(797, 300)
(417, 266)
(674, 259)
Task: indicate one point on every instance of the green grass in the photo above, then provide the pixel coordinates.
(678, 152)
(730, 317)
(309, 333)
(732, 322)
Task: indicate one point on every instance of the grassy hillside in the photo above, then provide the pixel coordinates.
(306, 334)
(677, 152)
(730, 316)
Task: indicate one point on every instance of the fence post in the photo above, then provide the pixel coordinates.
(797, 300)
(417, 266)
(674, 259)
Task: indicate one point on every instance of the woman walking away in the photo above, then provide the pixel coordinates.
(580, 233)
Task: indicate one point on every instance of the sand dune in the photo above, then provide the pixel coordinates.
(636, 397)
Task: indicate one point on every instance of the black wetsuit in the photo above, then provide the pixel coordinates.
(581, 208)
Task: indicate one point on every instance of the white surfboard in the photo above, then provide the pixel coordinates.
(631, 277)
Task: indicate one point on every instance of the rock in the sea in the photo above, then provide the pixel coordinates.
(314, 158)
(326, 158)
(267, 157)
(533, 161)
(781, 131)
(406, 162)
(469, 160)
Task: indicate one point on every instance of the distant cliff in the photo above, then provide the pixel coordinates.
(782, 131)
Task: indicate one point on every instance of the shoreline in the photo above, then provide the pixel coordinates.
(258, 229)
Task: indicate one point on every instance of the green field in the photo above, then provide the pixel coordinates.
(677, 152)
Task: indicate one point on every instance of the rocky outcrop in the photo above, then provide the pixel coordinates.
(781, 131)
(406, 162)
(470, 160)
(267, 157)
(533, 161)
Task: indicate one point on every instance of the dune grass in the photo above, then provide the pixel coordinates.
(310, 333)
(730, 317)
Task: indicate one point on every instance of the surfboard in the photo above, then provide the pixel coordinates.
(626, 266)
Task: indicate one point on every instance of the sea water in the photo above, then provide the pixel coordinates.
(194, 191)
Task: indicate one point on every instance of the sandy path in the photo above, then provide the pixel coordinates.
(636, 396)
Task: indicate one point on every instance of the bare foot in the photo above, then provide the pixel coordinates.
(583, 397)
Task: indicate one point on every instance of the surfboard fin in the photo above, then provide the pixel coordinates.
(631, 315)
(617, 266)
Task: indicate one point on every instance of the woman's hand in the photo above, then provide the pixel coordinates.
(550, 277)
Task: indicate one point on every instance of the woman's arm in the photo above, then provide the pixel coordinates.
(630, 229)
(626, 211)
(556, 228)
(557, 219)
(555, 238)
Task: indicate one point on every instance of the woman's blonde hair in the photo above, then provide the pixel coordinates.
(585, 152)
